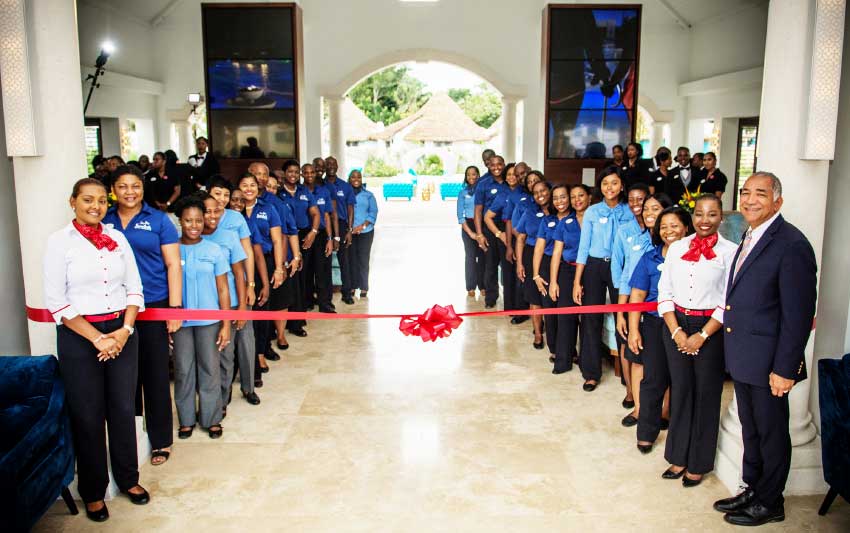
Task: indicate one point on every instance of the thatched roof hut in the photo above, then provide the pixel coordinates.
(439, 120)
(356, 125)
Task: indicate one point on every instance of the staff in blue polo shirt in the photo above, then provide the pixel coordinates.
(526, 229)
(344, 201)
(198, 344)
(307, 220)
(242, 332)
(473, 254)
(365, 216)
(220, 188)
(496, 220)
(269, 254)
(485, 193)
(317, 269)
(646, 329)
(153, 238)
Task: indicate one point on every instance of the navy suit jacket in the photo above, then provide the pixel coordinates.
(770, 307)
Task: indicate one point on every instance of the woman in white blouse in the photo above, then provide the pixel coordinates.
(691, 295)
(93, 289)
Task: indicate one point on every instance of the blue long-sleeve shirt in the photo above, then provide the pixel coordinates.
(365, 208)
(465, 204)
(599, 228)
(622, 241)
(631, 249)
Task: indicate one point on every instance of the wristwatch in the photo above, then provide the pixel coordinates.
(252, 284)
(498, 234)
(703, 334)
(336, 239)
(129, 328)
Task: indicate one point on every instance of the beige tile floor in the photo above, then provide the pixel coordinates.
(362, 429)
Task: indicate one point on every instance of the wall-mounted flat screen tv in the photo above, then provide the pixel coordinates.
(251, 84)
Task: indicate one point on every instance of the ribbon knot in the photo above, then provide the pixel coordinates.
(435, 323)
(701, 247)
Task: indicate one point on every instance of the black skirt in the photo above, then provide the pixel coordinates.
(284, 296)
(532, 294)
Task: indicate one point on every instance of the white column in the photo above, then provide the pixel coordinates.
(336, 130)
(186, 144)
(785, 107)
(509, 104)
(657, 136)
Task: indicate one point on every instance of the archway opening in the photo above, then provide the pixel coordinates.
(417, 119)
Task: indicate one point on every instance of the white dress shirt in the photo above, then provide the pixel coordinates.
(695, 284)
(197, 160)
(79, 279)
(761, 230)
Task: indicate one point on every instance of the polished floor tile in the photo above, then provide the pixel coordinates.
(361, 429)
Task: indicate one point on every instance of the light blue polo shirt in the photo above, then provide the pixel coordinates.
(229, 242)
(201, 263)
(235, 221)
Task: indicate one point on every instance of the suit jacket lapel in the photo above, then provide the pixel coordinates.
(754, 253)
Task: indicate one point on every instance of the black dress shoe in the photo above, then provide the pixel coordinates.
(688, 482)
(629, 421)
(730, 505)
(561, 370)
(665, 424)
(272, 356)
(327, 310)
(215, 433)
(252, 398)
(537, 345)
(519, 319)
(258, 383)
(101, 515)
(185, 433)
(349, 300)
(628, 404)
(644, 448)
(670, 474)
(589, 387)
(138, 499)
(489, 306)
(264, 370)
(552, 358)
(299, 332)
(280, 347)
(755, 514)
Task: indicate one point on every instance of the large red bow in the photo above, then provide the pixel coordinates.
(701, 246)
(435, 323)
(96, 236)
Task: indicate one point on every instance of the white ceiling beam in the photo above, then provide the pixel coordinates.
(680, 20)
(160, 17)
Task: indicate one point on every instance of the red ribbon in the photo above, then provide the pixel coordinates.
(435, 323)
(96, 236)
(701, 246)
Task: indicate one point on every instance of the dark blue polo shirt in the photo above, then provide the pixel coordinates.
(343, 194)
(147, 232)
(647, 273)
(568, 231)
(263, 218)
(323, 202)
(300, 202)
(486, 192)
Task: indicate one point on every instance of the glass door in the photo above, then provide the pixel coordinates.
(746, 161)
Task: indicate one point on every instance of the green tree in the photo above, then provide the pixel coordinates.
(429, 165)
(482, 105)
(389, 95)
(377, 167)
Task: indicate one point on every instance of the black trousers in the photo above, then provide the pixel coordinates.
(343, 256)
(299, 283)
(596, 281)
(696, 383)
(99, 393)
(510, 288)
(473, 265)
(262, 328)
(317, 273)
(767, 442)
(153, 389)
(361, 250)
(491, 268)
(656, 377)
(567, 325)
(551, 321)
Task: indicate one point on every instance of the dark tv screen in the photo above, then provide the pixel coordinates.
(251, 84)
(252, 135)
(248, 32)
(592, 80)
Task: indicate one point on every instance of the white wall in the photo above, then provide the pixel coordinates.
(14, 339)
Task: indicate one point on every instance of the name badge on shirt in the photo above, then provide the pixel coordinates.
(262, 215)
(551, 224)
(320, 201)
(303, 197)
(603, 220)
(182, 262)
(494, 191)
(153, 179)
(636, 247)
(340, 193)
(569, 221)
(540, 214)
(660, 267)
(659, 178)
(523, 199)
(629, 239)
(144, 225)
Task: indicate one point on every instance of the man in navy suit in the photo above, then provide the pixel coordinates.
(770, 306)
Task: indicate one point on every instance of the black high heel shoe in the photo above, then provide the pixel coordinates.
(538, 345)
(644, 448)
(670, 474)
(101, 515)
(138, 499)
(688, 482)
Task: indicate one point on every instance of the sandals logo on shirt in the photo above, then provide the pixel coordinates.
(143, 225)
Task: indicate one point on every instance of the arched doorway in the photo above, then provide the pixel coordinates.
(511, 95)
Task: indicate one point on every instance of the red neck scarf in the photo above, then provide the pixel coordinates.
(701, 247)
(96, 236)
